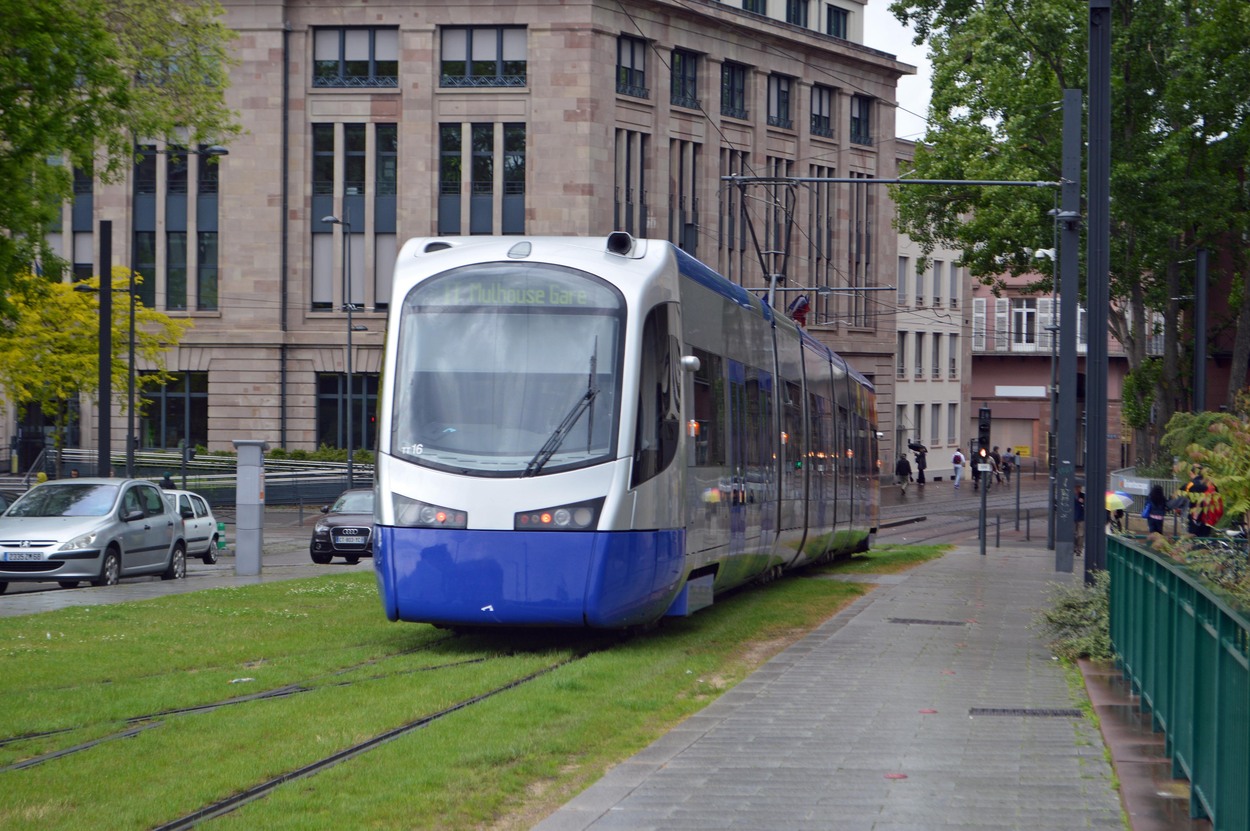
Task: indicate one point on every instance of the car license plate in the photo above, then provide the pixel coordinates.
(21, 556)
(349, 540)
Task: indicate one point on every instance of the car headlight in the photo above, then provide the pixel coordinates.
(81, 541)
(320, 530)
(413, 513)
(579, 516)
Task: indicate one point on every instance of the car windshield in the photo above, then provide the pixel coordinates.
(356, 502)
(508, 369)
(66, 500)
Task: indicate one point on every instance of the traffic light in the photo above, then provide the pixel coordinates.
(983, 431)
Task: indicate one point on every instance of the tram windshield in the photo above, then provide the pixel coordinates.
(508, 369)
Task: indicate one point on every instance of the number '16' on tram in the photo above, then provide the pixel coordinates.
(602, 431)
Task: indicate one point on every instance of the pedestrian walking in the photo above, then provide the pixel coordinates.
(996, 461)
(922, 462)
(957, 463)
(902, 472)
(1009, 462)
(1206, 504)
(1156, 509)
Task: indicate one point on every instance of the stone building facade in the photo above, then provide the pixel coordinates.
(402, 120)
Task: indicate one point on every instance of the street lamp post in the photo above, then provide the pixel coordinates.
(345, 224)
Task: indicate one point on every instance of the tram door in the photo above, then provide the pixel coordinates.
(753, 515)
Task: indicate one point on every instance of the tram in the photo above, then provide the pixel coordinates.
(602, 431)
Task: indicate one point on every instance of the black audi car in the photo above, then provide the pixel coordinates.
(346, 530)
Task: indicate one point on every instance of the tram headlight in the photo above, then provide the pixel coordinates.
(579, 516)
(412, 513)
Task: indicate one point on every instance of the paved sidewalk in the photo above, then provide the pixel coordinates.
(929, 704)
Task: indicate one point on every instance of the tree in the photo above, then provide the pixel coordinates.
(49, 350)
(1179, 149)
(80, 80)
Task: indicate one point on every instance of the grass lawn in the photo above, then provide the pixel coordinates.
(504, 762)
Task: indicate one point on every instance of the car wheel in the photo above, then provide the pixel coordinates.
(321, 559)
(68, 584)
(110, 570)
(351, 561)
(177, 564)
(210, 556)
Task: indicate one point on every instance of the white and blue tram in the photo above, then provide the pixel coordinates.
(602, 431)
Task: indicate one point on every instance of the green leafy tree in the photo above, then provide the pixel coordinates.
(80, 80)
(49, 350)
(1221, 445)
(1180, 144)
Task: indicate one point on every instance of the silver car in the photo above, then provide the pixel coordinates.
(199, 526)
(99, 530)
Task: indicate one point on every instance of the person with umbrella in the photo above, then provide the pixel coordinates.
(1117, 501)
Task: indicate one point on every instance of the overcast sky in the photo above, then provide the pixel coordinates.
(882, 31)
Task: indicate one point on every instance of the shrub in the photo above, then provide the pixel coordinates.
(1078, 622)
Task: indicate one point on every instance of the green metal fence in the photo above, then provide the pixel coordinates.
(1187, 653)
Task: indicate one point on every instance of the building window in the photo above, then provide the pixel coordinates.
(796, 12)
(323, 159)
(919, 365)
(513, 215)
(861, 119)
(733, 90)
(386, 161)
(952, 423)
(900, 356)
(332, 403)
(939, 271)
(685, 79)
(822, 111)
(935, 430)
(630, 176)
(836, 22)
(683, 206)
(978, 324)
(631, 67)
(952, 352)
(757, 6)
(955, 286)
(779, 87)
(732, 218)
(144, 260)
(342, 189)
(904, 265)
(175, 413)
(176, 270)
(206, 271)
(486, 56)
(450, 175)
(354, 160)
(356, 57)
(1024, 324)
(935, 371)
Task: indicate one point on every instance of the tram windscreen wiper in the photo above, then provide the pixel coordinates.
(580, 406)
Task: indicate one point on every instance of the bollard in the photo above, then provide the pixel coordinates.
(249, 506)
(221, 536)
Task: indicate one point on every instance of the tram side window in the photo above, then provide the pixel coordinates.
(709, 409)
(659, 395)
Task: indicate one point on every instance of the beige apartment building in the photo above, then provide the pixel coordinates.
(399, 120)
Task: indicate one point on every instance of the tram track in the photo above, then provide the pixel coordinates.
(259, 791)
(139, 723)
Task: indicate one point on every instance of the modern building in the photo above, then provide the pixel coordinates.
(370, 123)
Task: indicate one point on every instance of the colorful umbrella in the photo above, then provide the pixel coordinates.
(1118, 500)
